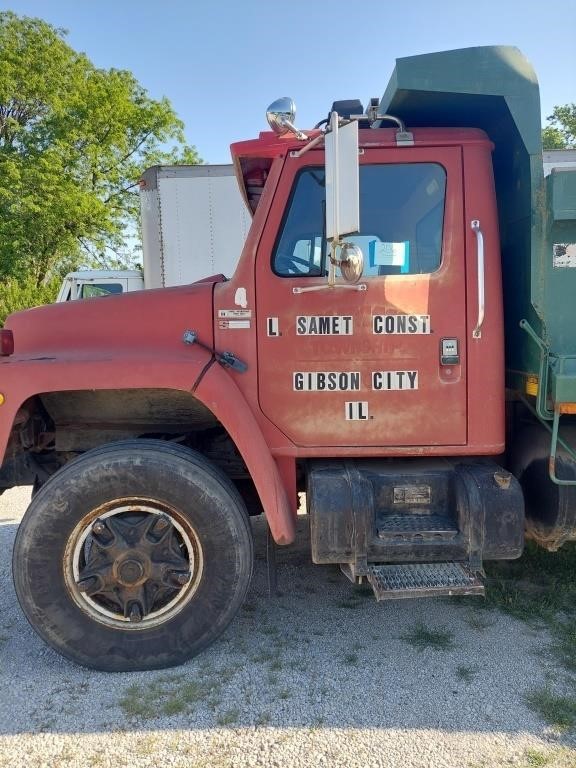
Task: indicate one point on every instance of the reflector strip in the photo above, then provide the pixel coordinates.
(532, 386)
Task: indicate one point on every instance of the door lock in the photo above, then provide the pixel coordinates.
(449, 352)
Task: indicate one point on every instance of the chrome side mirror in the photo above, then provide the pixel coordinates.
(351, 262)
(281, 115)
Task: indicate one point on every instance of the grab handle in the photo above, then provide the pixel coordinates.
(475, 225)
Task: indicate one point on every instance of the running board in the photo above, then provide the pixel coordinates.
(394, 582)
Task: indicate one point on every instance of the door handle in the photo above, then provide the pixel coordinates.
(475, 225)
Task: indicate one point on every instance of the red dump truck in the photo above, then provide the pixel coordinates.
(397, 341)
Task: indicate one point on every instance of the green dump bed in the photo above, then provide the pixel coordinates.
(496, 89)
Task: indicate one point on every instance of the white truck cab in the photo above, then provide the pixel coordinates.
(88, 283)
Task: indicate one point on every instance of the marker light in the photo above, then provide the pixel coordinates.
(6, 343)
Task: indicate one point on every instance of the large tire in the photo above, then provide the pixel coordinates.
(155, 507)
(550, 508)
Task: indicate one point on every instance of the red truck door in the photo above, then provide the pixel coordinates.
(384, 366)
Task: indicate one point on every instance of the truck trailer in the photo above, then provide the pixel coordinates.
(397, 340)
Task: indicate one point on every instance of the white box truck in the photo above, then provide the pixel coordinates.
(179, 205)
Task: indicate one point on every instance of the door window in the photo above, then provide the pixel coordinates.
(401, 219)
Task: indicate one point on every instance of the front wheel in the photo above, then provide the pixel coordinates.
(135, 556)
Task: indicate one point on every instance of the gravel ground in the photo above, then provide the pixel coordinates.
(321, 675)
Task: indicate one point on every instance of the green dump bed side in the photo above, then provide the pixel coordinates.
(496, 89)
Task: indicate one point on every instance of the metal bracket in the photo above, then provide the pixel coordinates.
(553, 448)
(543, 412)
(555, 442)
(226, 359)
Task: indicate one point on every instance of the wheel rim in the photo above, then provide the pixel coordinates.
(133, 563)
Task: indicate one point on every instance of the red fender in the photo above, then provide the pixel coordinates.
(219, 393)
(22, 378)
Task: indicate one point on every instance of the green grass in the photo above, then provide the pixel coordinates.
(466, 673)
(562, 757)
(262, 656)
(165, 696)
(479, 621)
(540, 589)
(537, 759)
(536, 587)
(350, 602)
(557, 711)
(556, 757)
(229, 717)
(421, 637)
(564, 645)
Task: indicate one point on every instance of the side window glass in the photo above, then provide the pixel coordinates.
(301, 245)
(401, 219)
(99, 289)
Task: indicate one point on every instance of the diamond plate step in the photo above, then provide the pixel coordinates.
(419, 527)
(393, 582)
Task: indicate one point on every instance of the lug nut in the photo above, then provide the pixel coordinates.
(181, 578)
(135, 612)
(161, 526)
(98, 527)
(90, 585)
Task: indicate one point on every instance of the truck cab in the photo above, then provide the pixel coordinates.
(87, 283)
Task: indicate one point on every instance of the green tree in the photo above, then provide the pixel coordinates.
(74, 141)
(560, 133)
(24, 293)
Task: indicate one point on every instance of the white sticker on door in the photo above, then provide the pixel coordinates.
(401, 324)
(356, 411)
(272, 326)
(394, 380)
(564, 255)
(324, 325)
(325, 381)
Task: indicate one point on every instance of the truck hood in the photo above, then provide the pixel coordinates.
(132, 322)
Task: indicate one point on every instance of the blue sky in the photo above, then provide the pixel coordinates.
(221, 63)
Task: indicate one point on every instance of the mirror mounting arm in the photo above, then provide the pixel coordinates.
(300, 135)
(326, 287)
(307, 147)
(318, 139)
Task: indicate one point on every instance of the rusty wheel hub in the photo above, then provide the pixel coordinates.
(133, 563)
